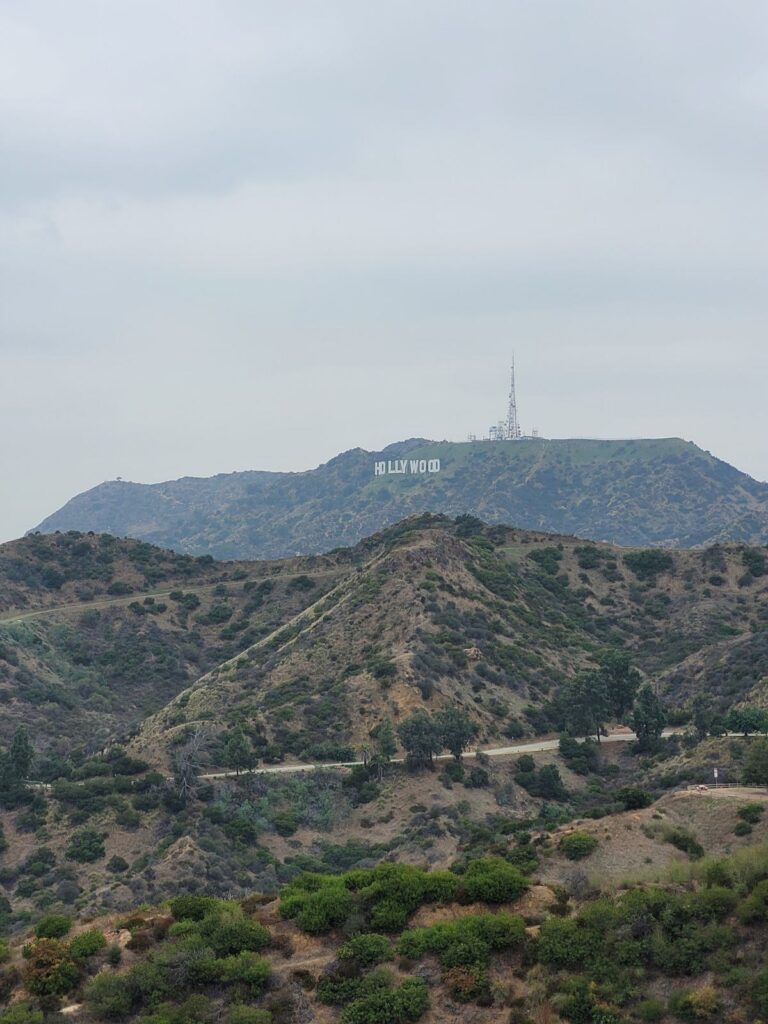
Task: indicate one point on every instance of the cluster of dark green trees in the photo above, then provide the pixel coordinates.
(423, 736)
(15, 769)
(612, 692)
(708, 720)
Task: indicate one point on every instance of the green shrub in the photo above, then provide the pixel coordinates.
(240, 1013)
(247, 969)
(324, 910)
(117, 865)
(439, 887)
(53, 926)
(86, 846)
(634, 798)
(87, 944)
(49, 970)
(339, 989)
(467, 941)
(647, 565)
(285, 823)
(385, 896)
(751, 813)
(712, 904)
(366, 950)
(760, 993)
(478, 778)
(235, 936)
(407, 1003)
(685, 841)
(411, 1000)
(742, 828)
(193, 908)
(650, 1010)
(578, 845)
(698, 1004)
(108, 996)
(181, 928)
(493, 880)
(755, 908)
(21, 1013)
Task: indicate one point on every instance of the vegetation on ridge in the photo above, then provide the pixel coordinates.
(658, 492)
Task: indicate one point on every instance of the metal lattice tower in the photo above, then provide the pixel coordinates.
(512, 425)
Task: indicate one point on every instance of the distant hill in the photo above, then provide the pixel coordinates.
(664, 492)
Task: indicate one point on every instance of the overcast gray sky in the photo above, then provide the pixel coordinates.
(238, 234)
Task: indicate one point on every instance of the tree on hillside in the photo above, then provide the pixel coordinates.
(622, 682)
(421, 738)
(238, 753)
(187, 764)
(747, 720)
(15, 768)
(756, 764)
(586, 705)
(707, 721)
(21, 754)
(386, 747)
(648, 718)
(456, 728)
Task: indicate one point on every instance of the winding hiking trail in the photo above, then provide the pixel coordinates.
(9, 618)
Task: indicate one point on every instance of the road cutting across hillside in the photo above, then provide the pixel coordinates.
(532, 747)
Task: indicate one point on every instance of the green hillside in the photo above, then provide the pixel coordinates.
(175, 707)
(663, 492)
(101, 637)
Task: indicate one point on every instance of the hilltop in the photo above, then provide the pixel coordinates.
(487, 619)
(665, 493)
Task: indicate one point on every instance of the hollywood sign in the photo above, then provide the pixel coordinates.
(406, 467)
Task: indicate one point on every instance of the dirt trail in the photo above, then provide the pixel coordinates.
(8, 618)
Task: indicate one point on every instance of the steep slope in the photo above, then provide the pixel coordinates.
(96, 633)
(493, 622)
(637, 493)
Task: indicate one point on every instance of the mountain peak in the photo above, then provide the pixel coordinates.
(638, 492)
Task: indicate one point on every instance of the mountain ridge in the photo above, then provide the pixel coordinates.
(662, 492)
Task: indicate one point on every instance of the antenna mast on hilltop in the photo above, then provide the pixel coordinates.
(513, 431)
(508, 429)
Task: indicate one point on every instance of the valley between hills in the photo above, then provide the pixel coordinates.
(140, 689)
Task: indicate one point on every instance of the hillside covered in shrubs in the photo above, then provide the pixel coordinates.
(661, 492)
(394, 944)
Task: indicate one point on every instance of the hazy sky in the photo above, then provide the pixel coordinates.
(239, 234)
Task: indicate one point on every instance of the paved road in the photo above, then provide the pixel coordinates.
(532, 747)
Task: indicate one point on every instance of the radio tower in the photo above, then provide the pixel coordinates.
(513, 431)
